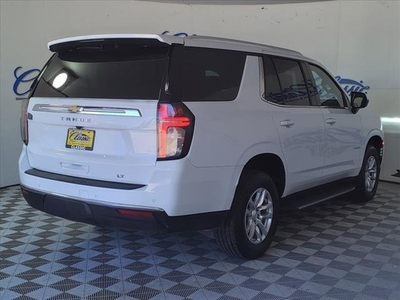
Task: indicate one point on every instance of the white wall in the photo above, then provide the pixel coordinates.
(354, 39)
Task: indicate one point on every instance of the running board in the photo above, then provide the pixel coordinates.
(314, 196)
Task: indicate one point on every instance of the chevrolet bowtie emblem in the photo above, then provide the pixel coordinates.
(74, 109)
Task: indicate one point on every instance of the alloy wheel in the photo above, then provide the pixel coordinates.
(371, 171)
(258, 216)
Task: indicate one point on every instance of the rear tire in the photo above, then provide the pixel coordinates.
(251, 224)
(368, 179)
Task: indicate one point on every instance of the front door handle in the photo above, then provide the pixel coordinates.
(330, 121)
(287, 123)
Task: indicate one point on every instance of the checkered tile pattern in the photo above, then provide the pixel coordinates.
(335, 250)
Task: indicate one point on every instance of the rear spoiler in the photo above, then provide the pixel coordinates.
(93, 40)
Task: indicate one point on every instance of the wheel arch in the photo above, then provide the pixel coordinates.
(271, 164)
(377, 142)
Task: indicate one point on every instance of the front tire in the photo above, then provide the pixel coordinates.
(367, 180)
(251, 224)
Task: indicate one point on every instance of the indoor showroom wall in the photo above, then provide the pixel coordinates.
(356, 40)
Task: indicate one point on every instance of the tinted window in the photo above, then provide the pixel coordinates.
(328, 91)
(96, 72)
(212, 75)
(272, 88)
(292, 82)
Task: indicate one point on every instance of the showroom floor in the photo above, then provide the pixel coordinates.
(335, 250)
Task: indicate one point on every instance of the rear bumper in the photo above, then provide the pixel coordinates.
(108, 216)
(176, 187)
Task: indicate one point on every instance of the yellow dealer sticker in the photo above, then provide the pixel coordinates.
(80, 139)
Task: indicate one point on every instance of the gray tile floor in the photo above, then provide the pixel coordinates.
(335, 250)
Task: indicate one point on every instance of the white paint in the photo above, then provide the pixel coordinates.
(226, 138)
(354, 39)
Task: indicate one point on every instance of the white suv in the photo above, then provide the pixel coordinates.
(159, 132)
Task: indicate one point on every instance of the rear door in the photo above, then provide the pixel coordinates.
(300, 126)
(93, 111)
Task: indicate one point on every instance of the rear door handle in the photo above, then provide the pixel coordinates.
(330, 121)
(287, 123)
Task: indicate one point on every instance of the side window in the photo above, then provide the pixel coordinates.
(293, 85)
(212, 75)
(328, 91)
(272, 88)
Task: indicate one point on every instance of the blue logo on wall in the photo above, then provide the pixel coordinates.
(181, 34)
(24, 77)
(350, 85)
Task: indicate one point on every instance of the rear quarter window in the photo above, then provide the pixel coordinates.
(211, 74)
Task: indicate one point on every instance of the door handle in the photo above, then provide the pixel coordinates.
(287, 123)
(330, 121)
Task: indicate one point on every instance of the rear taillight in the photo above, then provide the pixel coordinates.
(175, 125)
(24, 121)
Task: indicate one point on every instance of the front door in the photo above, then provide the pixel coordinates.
(343, 128)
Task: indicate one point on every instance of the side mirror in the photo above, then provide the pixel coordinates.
(358, 101)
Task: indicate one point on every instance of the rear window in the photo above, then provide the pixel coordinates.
(212, 75)
(111, 70)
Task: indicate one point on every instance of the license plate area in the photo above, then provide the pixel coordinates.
(80, 139)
